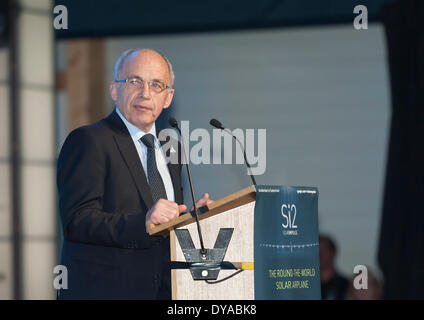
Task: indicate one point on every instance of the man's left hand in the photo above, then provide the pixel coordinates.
(203, 201)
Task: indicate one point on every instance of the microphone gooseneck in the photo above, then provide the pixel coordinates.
(217, 124)
(174, 123)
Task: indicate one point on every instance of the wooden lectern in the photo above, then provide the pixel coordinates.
(233, 211)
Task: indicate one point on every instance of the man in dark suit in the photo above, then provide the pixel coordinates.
(113, 180)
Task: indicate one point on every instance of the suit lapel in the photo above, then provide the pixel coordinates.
(129, 154)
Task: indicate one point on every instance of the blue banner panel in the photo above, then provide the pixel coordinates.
(286, 251)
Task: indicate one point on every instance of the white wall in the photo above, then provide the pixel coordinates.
(322, 94)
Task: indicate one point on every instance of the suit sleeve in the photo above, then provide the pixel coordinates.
(80, 179)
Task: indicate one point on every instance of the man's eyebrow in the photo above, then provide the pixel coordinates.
(158, 80)
(134, 76)
(137, 77)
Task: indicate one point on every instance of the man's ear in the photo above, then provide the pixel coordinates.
(169, 98)
(113, 91)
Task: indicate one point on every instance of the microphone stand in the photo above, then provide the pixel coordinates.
(203, 264)
(174, 124)
(215, 123)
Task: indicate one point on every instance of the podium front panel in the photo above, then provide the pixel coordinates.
(240, 249)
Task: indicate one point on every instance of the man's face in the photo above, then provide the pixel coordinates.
(142, 107)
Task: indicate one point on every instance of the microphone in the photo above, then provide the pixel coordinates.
(217, 124)
(174, 123)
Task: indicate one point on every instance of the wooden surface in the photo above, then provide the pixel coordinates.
(84, 81)
(234, 200)
(240, 249)
(173, 245)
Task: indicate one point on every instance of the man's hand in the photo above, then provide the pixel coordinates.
(203, 201)
(163, 211)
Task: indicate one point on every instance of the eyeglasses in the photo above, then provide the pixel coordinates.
(137, 83)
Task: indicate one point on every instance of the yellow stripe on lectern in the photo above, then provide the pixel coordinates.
(247, 265)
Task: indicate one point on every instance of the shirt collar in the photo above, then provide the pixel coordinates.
(136, 133)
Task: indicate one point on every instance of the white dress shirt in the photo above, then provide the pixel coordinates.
(136, 135)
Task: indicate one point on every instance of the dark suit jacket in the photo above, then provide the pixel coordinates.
(103, 199)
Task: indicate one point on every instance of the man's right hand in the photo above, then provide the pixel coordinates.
(163, 211)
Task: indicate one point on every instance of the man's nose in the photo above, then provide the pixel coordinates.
(145, 91)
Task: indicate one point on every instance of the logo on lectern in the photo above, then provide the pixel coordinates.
(288, 211)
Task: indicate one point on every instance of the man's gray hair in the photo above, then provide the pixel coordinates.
(120, 62)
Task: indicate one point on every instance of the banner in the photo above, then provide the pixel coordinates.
(286, 251)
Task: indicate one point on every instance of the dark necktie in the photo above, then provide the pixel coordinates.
(155, 180)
